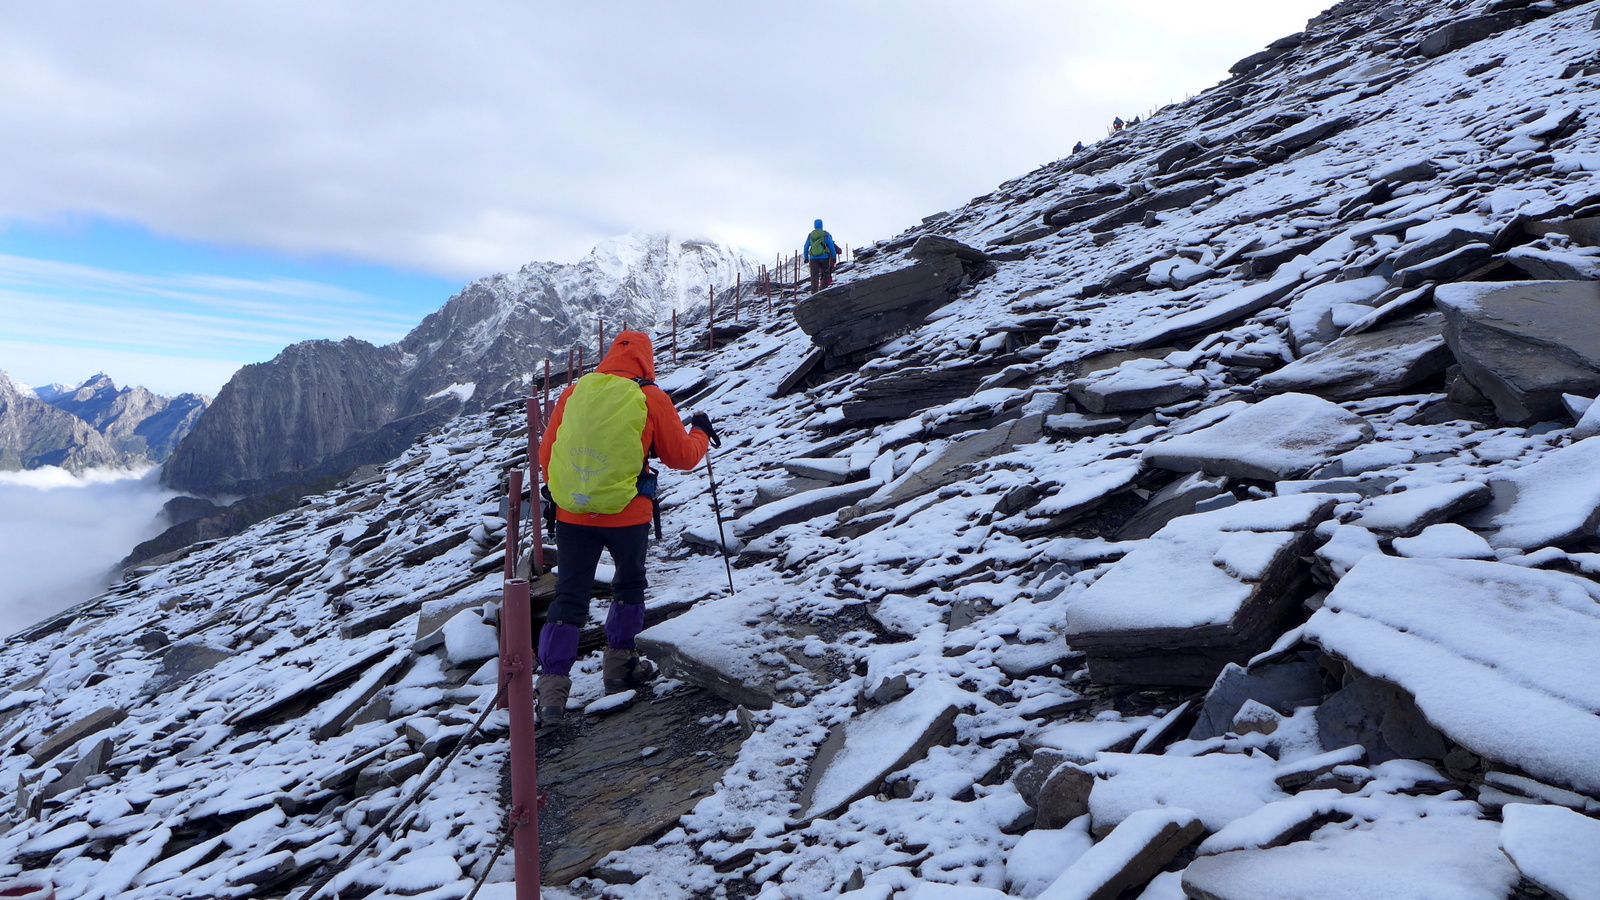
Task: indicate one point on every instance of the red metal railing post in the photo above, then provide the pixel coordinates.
(581, 348)
(600, 337)
(544, 407)
(674, 337)
(517, 672)
(738, 285)
(572, 356)
(513, 521)
(711, 318)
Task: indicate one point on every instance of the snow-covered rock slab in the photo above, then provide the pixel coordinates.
(1128, 857)
(1081, 742)
(859, 754)
(1205, 590)
(1217, 788)
(1555, 848)
(75, 731)
(1551, 501)
(1281, 437)
(1176, 499)
(800, 507)
(944, 465)
(1366, 365)
(1207, 317)
(1525, 343)
(1397, 859)
(1136, 384)
(1407, 513)
(1498, 657)
(834, 469)
(712, 647)
(855, 315)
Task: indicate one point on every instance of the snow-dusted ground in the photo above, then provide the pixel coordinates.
(295, 704)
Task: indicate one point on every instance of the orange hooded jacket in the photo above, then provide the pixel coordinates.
(632, 356)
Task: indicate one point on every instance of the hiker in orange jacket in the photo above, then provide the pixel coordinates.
(604, 491)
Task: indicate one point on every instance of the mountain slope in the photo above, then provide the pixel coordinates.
(34, 433)
(323, 407)
(982, 620)
(136, 421)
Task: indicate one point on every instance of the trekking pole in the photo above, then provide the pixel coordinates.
(722, 536)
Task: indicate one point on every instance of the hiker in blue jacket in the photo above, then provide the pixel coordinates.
(821, 254)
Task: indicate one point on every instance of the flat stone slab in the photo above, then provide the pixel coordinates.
(1407, 513)
(1499, 658)
(1555, 848)
(1281, 437)
(1397, 859)
(859, 754)
(1208, 581)
(619, 780)
(1129, 783)
(75, 731)
(1136, 384)
(1525, 343)
(800, 507)
(1366, 365)
(944, 466)
(1552, 501)
(711, 646)
(1128, 857)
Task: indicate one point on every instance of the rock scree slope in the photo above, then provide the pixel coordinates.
(1042, 595)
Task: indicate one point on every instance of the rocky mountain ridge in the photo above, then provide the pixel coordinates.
(93, 424)
(1127, 546)
(325, 407)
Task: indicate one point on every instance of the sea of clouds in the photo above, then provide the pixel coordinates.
(61, 534)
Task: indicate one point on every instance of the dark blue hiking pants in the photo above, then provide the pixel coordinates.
(580, 547)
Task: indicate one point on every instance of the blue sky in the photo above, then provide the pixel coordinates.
(188, 186)
(93, 295)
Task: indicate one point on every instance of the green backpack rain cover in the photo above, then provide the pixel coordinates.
(817, 243)
(598, 453)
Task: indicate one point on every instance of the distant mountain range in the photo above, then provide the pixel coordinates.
(324, 407)
(93, 424)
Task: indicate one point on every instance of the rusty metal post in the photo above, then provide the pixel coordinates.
(513, 521)
(711, 318)
(674, 336)
(517, 673)
(738, 286)
(544, 408)
(581, 348)
(572, 356)
(600, 337)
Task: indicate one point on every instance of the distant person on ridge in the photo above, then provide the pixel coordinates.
(821, 254)
(594, 454)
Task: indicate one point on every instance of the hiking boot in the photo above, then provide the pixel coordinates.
(625, 670)
(552, 691)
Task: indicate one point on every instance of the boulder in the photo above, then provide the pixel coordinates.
(1064, 796)
(1498, 658)
(1282, 687)
(1207, 589)
(1366, 365)
(1281, 437)
(1524, 344)
(857, 315)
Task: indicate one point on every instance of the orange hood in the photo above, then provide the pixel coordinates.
(631, 356)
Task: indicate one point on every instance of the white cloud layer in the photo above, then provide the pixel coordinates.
(472, 137)
(60, 535)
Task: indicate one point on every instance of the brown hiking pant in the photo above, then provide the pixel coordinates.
(821, 273)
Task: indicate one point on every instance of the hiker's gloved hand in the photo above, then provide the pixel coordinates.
(703, 422)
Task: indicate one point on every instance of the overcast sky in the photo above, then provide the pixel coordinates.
(188, 186)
